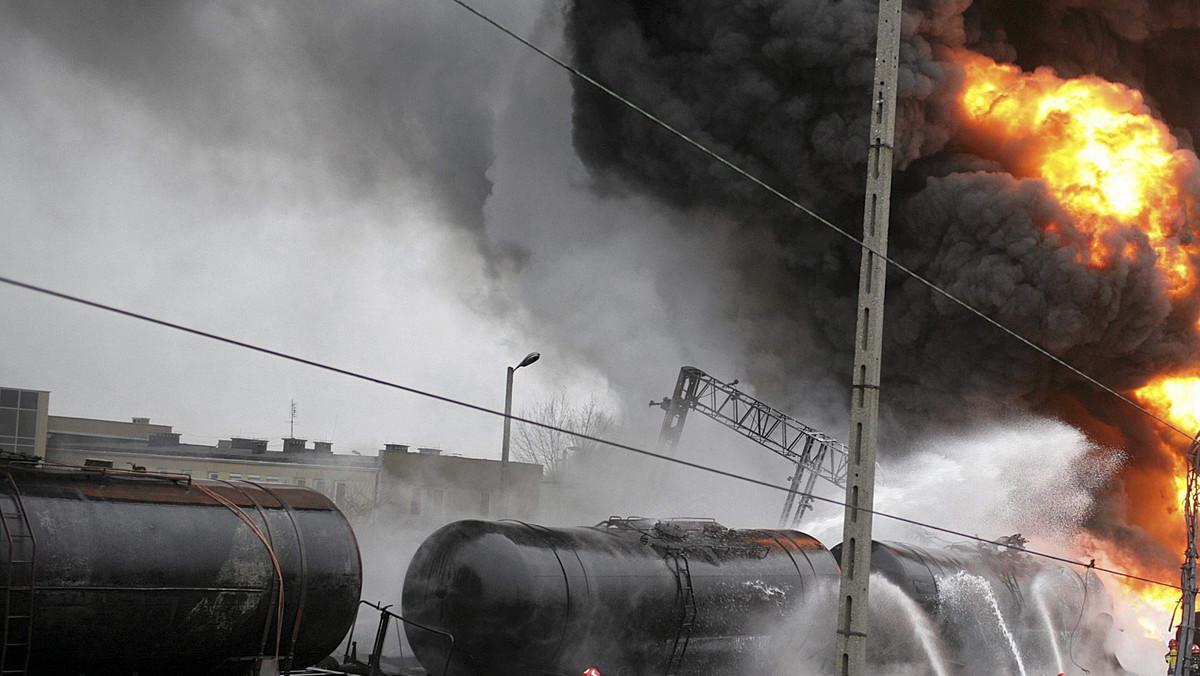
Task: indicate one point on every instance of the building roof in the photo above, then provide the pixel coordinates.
(62, 441)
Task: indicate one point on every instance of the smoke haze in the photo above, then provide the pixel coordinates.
(779, 88)
(399, 189)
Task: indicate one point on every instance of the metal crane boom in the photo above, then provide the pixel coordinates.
(814, 453)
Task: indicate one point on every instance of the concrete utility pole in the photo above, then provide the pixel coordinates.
(868, 342)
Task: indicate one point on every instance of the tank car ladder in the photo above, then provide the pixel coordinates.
(19, 582)
(687, 611)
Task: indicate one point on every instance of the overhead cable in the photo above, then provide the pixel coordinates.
(553, 428)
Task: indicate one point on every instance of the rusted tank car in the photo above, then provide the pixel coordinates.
(110, 572)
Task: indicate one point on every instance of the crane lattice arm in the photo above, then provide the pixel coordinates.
(814, 453)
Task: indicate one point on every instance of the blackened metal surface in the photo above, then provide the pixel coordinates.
(149, 575)
(917, 570)
(521, 598)
(1009, 573)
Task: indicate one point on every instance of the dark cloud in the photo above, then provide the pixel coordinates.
(1146, 44)
(306, 175)
(780, 88)
(359, 93)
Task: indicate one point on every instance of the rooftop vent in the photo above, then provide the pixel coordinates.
(255, 446)
(164, 438)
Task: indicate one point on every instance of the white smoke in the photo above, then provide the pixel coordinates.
(1034, 477)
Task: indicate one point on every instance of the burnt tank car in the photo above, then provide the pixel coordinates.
(646, 597)
(111, 572)
(639, 597)
(1012, 578)
(969, 589)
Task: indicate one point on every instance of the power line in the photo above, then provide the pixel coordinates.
(817, 217)
(578, 435)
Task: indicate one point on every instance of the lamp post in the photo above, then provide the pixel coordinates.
(529, 359)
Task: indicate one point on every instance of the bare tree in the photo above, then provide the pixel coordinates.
(551, 449)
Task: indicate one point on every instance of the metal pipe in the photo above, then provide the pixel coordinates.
(504, 448)
(529, 359)
(384, 613)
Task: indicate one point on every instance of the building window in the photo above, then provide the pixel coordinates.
(213, 475)
(8, 422)
(301, 481)
(339, 492)
(319, 484)
(253, 477)
(235, 477)
(27, 423)
(272, 480)
(18, 421)
(416, 502)
(485, 502)
(162, 470)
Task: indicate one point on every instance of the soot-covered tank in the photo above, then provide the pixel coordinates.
(110, 572)
(975, 593)
(629, 596)
(931, 577)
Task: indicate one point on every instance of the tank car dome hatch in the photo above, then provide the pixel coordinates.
(631, 593)
(148, 573)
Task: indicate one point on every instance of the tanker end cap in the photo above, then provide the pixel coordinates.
(492, 585)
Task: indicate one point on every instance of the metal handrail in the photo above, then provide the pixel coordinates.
(19, 503)
(381, 634)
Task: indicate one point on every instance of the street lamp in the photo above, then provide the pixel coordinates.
(529, 359)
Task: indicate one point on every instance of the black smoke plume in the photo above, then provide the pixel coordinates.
(781, 87)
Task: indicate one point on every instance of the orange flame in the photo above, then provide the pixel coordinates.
(1156, 607)
(1177, 400)
(1102, 155)
(1116, 171)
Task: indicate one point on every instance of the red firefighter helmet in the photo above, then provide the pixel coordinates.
(1195, 649)
(591, 671)
(1173, 643)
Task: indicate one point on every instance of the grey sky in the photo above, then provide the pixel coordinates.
(388, 187)
(254, 170)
